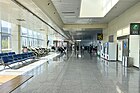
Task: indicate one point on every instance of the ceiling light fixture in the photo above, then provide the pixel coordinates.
(78, 40)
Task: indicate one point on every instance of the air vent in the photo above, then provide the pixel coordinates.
(68, 12)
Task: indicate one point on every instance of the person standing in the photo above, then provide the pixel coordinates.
(90, 49)
(25, 49)
(82, 49)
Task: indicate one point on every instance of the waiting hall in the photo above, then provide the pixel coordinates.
(69, 46)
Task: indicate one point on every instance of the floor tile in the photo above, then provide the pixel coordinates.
(88, 74)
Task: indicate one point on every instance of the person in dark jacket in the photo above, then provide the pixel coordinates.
(90, 49)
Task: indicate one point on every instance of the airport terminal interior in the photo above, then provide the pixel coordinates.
(69, 46)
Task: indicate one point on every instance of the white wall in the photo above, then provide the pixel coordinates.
(120, 26)
(122, 22)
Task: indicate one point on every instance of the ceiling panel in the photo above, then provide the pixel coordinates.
(68, 9)
(74, 6)
(85, 34)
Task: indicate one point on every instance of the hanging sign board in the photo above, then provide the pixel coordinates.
(135, 29)
(99, 36)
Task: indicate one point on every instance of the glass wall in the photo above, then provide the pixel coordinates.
(31, 38)
(5, 36)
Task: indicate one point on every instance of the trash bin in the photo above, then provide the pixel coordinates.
(130, 61)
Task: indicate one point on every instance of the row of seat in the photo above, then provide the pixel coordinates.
(5, 54)
(15, 58)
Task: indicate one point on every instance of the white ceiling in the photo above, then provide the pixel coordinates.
(69, 11)
(10, 12)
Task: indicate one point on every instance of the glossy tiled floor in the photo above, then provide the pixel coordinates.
(87, 74)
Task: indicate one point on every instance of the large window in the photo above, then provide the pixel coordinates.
(5, 35)
(24, 32)
(24, 39)
(40, 39)
(31, 38)
(5, 39)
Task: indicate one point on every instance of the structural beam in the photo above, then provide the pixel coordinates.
(75, 27)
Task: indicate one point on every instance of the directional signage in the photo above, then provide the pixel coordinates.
(99, 36)
(135, 29)
(125, 45)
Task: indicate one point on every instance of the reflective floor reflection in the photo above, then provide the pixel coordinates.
(85, 74)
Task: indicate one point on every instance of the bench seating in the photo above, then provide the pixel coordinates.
(16, 58)
(6, 54)
(11, 53)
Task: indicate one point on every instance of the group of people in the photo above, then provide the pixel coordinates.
(60, 49)
(79, 49)
(92, 49)
(89, 48)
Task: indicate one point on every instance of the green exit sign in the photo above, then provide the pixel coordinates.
(135, 29)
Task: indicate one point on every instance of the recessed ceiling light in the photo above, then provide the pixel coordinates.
(68, 12)
(79, 40)
(21, 19)
(48, 3)
(72, 16)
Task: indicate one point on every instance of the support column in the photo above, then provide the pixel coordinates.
(16, 39)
